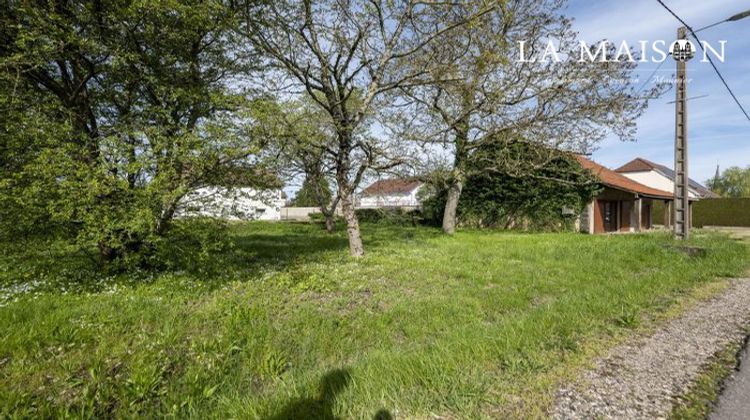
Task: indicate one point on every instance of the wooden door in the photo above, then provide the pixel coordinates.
(646, 216)
(605, 216)
(625, 211)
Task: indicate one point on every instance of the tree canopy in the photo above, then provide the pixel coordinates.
(733, 182)
(311, 195)
(117, 110)
(488, 93)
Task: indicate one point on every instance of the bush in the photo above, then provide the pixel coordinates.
(196, 245)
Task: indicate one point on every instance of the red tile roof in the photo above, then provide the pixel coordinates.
(612, 179)
(391, 186)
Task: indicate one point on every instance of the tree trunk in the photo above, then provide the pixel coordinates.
(457, 178)
(165, 219)
(352, 227)
(451, 204)
(330, 222)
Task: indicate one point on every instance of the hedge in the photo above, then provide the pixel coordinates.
(722, 212)
(713, 212)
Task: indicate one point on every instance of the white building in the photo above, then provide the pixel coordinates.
(660, 177)
(232, 204)
(391, 193)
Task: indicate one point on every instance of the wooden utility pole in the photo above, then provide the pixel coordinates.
(681, 204)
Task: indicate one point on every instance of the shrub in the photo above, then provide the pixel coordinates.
(197, 245)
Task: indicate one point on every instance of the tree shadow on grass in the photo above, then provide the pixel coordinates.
(321, 407)
(256, 246)
(299, 243)
(285, 248)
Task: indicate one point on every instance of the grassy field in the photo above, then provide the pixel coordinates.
(484, 324)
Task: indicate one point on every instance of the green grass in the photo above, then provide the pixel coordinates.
(483, 324)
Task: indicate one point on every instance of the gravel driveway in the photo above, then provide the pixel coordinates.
(641, 379)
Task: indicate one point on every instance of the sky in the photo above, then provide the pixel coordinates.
(718, 131)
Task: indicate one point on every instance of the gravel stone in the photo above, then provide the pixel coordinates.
(644, 377)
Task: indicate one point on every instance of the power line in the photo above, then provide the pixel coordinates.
(675, 16)
(640, 89)
(710, 60)
(718, 73)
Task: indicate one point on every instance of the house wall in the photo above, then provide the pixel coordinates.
(298, 213)
(586, 220)
(391, 200)
(232, 204)
(302, 213)
(656, 180)
(628, 210)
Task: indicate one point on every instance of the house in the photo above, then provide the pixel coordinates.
(623, 206)
(391, 193)
(661, 177)
(232, 204)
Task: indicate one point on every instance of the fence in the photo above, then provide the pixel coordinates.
(298, 213)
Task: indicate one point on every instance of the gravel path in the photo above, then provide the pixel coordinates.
(641, 379)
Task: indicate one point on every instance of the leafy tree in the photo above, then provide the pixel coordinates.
(534, 195)
(307, 196)
(26, 138)
(332, 50)
(299, 142)
(132, 103)
(489, 94)
(307, 150)
(733, 182)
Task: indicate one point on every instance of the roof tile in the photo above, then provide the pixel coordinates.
(391, 186)
(612, 179)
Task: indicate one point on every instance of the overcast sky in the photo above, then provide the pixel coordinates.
(717, 129)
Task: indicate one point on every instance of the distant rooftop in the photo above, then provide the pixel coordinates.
(612, 179)
(645, 165)
(391, 186)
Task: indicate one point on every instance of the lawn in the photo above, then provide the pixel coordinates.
(483, 324)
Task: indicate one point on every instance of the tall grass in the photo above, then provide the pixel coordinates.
(483, 324)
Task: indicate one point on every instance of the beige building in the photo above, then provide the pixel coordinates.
(623, 206)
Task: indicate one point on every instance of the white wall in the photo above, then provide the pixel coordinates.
(391, 200)
(656, 180)
(298, 213)
(302, 213)
(232, 204)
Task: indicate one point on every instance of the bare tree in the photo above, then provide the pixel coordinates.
(491, 95)
(333, 49)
